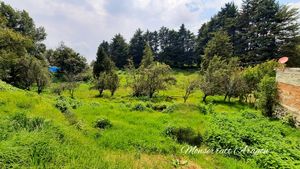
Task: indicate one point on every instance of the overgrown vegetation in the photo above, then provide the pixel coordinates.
(230, 104)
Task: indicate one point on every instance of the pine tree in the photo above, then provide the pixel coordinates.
(136, 48)
(103, 63)
(147, 57)
(265, 29)
(152, 39)
(119, 51)
(186, 46)
(225, 20)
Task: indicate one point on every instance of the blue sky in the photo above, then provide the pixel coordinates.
(83, 24)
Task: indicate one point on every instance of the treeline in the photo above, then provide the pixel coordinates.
(259, 31)
(175, 48)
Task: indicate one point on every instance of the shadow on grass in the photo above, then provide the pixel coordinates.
(218, 100)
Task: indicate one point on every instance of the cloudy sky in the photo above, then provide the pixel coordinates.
(83, 24)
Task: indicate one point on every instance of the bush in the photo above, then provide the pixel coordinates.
(159, 107)
(205, 109)
(63, 103)
(184, 135)
(107, 81)
(170, 109)
(139, 107)
(267, 95)
(103, 124)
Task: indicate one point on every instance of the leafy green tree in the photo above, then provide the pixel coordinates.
(150, 80)
(211, 81)
(22, 60)
(107, 81)
(190, 87)
(233, 83)
(219, 45)
(21, 22)
(112, 82)
(40, 74)
(71, 86)
(136, 47)
(119, 51)
(71, 62)
(14, 59)
(253, 75)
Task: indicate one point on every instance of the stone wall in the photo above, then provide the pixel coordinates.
(288, 81)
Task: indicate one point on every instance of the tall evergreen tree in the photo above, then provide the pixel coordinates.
(152, 39)
(105, 46)
(103, 62)
(224, 20)
(147, 57)
(136, 48)
(264, 29)
(119, 51)
(169, 47)
(186, 46)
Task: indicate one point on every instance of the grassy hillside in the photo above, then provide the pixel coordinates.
(36, 133)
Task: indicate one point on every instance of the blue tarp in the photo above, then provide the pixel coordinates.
(54, 69)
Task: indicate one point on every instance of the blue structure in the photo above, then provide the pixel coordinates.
(54, 69)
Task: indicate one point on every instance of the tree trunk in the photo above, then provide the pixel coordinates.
(39, 90)
(151, 94)
(112, 93)
(100, 92)
(204, 98)
(225, 97)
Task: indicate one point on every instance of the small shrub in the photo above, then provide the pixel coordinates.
(206, 109)
(63, 103)
(139, 107)
(103, 124)
(184, 135)
(159, 107)
(170, 109)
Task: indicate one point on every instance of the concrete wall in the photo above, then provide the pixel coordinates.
(288, 81)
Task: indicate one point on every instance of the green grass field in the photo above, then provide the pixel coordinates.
(35, 134)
